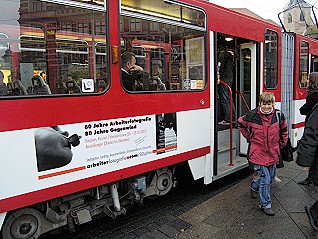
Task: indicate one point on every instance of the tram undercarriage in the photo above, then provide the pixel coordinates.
(76, 209)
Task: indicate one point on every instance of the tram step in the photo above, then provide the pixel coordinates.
(224, 136)
(224, 153)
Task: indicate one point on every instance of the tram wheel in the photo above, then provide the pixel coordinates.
(164, 181)
(22, 224)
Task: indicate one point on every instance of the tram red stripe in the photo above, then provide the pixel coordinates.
(30, 198)
(164, 149)
(298, 125)
(61, 172)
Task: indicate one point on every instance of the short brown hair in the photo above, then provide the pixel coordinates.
(127, 57)
(267, 97)
(313, 82)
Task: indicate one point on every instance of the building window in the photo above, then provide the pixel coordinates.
(290, 18)
(154, 27)
(37, 6)
(135, 25)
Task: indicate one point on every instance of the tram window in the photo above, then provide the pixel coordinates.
(314, 64)
(5, 53)
(303, 64)
(172, 54)
(61, 50)
(271, 59)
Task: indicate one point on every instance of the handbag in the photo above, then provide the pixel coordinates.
(286, 153)
(280, 163)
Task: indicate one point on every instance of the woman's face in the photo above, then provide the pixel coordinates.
(266, 107)
(312, 80)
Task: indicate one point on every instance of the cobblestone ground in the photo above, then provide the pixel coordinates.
(159, 217)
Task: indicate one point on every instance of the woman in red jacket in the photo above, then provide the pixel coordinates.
(266, 135)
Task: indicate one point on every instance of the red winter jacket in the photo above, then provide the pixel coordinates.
(265, 136)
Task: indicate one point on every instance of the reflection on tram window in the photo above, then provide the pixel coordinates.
(172, 56)
(37, 57)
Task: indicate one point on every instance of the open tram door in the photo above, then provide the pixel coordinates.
(247, 85)
(231, 146)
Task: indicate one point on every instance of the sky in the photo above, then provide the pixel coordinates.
(267, 9)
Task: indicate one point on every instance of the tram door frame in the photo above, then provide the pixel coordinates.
(252, 47)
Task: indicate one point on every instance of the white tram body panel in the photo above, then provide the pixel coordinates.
(105, 146)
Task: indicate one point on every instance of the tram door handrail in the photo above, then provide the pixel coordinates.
(243, 98)
(231, 121)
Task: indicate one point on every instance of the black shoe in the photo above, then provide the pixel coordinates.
(254, 194)
(307, 181)
(312, 222)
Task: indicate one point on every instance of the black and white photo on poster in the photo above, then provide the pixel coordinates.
(54, 147)
(166, 132)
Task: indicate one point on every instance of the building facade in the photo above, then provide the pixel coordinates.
(297, 17)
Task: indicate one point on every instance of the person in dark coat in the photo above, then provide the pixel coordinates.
(306, 109)
(307, 154)
(130, 71)
(267, 135)
(226, 67)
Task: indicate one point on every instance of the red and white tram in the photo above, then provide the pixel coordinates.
(75, 143)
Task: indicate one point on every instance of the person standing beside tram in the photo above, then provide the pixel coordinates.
(266, 135)
(306, 109)
(307, 153)
(307, 157)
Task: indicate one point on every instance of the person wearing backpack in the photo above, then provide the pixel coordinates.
(267, 135)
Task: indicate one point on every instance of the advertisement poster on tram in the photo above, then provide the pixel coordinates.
(103, 146)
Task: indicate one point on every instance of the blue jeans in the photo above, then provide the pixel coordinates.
(262, 183)
(224, 95)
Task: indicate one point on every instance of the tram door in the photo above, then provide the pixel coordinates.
(246, 84)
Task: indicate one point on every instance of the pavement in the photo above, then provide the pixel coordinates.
(235, 214)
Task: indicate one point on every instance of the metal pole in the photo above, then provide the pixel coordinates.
(231, 122)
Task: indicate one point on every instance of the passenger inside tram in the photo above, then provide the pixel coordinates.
(39, 87)
(16, 88)
(157, 84)
(71, 86)
(101, 81)
(3, 86)
(130, 71)
(100, 85)
(226, 68)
